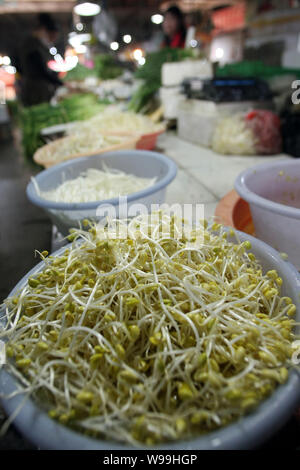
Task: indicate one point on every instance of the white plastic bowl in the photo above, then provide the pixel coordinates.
(137, 162)
(273, 193)
(246, 433)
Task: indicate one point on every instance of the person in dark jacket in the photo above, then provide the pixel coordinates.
(174, 28)
(38, 83)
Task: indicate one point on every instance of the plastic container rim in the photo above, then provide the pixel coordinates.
(64, 206)
(248, 195)
(245, 433)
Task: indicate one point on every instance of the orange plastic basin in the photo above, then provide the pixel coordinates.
(233, 211)
(148, 141)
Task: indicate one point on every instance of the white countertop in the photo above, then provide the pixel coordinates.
(204, 177)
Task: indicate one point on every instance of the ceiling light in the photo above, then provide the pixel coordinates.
(219, 53)
(137, 54)
(10, 69)
(193, 43)
(127, 38)
(58, 58)
(78, 39)
(5, 60)
(81, 49)
(63, 65)
(87, 9)
(114, 46)
(157, 19)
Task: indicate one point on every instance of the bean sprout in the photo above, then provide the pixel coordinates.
(149, 338)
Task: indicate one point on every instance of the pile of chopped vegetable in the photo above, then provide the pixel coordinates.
(78, 144)
(233, 137)
(152, 337)
(256, 132)
(96, 185)
(112, 119)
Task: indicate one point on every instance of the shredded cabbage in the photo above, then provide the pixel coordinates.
(154, 337)
(232, 137)
(112, 119)
(96, 185)
(80, 143)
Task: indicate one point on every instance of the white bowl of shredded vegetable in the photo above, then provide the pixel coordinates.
(75, 190)
(156, 340)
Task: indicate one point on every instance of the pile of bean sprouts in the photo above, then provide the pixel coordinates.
(150, 337)
(80, 143)
(96, 185)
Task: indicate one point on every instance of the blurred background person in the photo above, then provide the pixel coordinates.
(37, 82)
(174, 28)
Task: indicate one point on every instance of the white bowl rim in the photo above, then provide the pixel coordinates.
(78, 206)
(253, 198)
(245, 433)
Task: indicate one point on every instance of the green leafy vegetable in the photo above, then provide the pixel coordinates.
(104, 68)
(35, 118)
(150, 72)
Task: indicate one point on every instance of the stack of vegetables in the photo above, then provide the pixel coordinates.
(35, 118)
(79, 73)
(150, 73)
(105, 68)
